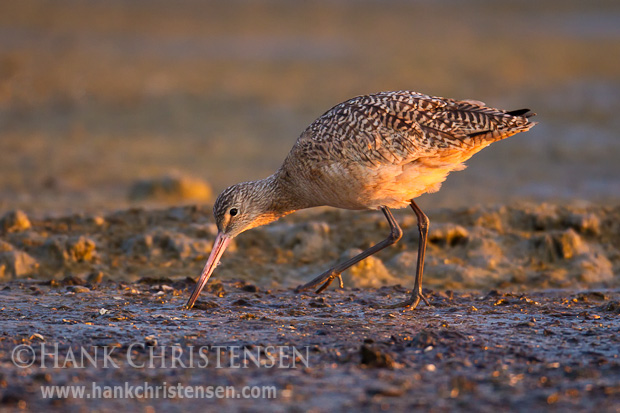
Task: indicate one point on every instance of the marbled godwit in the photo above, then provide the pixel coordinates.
(377, 151)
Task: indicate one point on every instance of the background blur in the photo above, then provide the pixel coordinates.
(95, 95)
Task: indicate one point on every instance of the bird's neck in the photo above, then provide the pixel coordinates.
(282, 194)
(272, 198)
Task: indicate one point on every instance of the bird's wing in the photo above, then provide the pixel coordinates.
(399, 127)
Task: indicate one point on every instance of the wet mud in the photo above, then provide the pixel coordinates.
(479, 350)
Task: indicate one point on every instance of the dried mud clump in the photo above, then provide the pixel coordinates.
(61, 250)
(16, 264)
(308, 242)
(370, 272)
(161, 242)
(447, 234)
(171, 188)
(14, 221)
(522, 247)
(559, 245)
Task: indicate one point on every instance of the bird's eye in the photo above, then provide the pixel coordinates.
(233, 212)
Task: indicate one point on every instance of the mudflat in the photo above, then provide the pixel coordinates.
(525, 311)
(471, 350)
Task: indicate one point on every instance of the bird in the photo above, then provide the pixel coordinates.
(372, 152)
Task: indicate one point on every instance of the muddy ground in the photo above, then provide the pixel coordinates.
(475, 351)
(525, 310)
(518, 247)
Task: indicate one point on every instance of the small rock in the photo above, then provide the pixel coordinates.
(430, 367)
(374, 357)
(250, 288)
(611, 307)
(34, 290)
(37, 336)
(72, 280)
(78, 289)
(150, 341)
(95, 277)
(15, 221)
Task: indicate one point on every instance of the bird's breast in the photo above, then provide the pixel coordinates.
(355, 186)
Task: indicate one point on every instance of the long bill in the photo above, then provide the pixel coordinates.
(219, 246)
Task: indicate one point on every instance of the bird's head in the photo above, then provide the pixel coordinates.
(239, 208)
(244, 206)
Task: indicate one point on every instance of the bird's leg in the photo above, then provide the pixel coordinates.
(328, 276)
(416, 294)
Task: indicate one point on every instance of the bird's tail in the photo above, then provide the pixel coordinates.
(506, 124)
(526, 113)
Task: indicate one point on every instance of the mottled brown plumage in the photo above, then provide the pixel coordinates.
(377, 151)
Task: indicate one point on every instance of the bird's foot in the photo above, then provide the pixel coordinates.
(328, 282)
(409, 304)
(324, 280)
